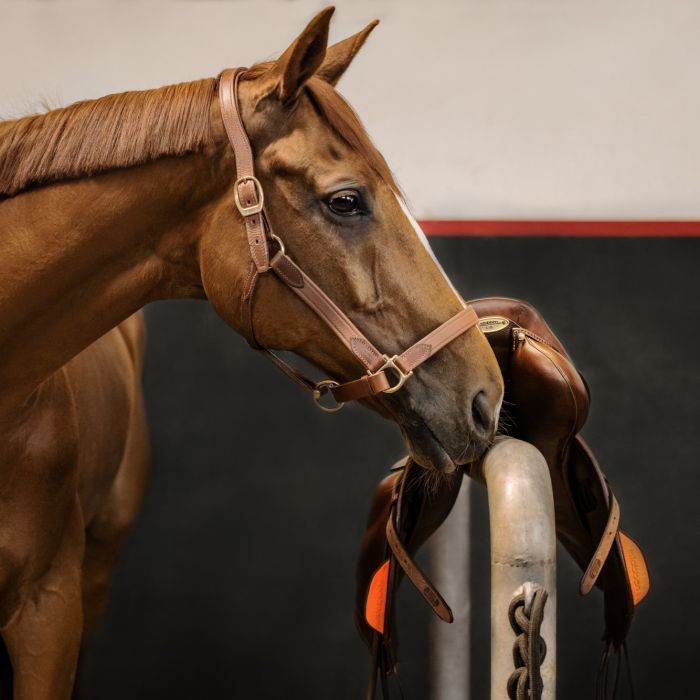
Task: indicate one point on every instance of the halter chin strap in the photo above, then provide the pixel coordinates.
(384, 374)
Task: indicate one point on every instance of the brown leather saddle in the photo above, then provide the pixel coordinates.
(546, 404)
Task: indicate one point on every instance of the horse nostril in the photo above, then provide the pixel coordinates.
(482, 414)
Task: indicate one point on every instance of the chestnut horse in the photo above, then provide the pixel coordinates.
(109, 204)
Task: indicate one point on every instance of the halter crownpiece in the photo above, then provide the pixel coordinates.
(384, 374)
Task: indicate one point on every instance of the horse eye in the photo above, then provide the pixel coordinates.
(345, 203)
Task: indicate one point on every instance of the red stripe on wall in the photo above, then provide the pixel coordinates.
(596, 229)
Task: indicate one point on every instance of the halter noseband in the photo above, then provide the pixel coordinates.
(384, 374)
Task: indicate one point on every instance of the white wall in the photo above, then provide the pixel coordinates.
(484, 108)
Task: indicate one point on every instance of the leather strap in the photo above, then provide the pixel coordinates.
(290, 371)
(415, 575)
(437, 339)
(383, 660)
(369, 385)
(384, 374)
(600, 555)
(302, 285)
(247, 191)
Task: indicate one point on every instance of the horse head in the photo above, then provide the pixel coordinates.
(331, 198)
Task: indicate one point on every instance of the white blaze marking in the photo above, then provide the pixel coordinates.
(422, 238)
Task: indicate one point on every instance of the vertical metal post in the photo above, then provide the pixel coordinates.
(523, 551)
(449, 565)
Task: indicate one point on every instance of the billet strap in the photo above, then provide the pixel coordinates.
(602, 551)
(415, 575)
(384, 374)
(379, 587)
(381, 594)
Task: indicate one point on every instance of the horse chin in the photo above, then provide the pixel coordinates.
(428, 451)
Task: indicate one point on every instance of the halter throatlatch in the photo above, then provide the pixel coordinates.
(384, 374)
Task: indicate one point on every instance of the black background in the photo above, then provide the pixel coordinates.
(238, 578)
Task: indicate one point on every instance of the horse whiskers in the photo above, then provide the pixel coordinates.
(505, 422)
(432, 481)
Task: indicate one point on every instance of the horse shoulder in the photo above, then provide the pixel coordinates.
(65, 442)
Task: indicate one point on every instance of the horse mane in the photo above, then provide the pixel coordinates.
(131, 128)
(116, 131)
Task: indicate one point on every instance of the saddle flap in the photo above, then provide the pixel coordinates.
(423, 509)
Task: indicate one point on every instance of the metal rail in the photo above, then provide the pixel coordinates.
(523, 556)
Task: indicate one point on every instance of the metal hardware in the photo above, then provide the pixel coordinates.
(253, 208)
(278, 240)
(390, 364)
(320, 390)
(493, 324)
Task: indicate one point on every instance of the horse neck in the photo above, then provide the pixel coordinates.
(77, 258)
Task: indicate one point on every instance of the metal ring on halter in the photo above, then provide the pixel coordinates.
(390, 364)
(253, 208)
(321, 389)
(278, 240)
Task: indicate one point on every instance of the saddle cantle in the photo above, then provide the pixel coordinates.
(547, 403)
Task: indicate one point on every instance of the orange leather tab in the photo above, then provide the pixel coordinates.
(375, 605)
(636, 567)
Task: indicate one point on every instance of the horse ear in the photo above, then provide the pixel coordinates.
(303, 58)
(340, 55)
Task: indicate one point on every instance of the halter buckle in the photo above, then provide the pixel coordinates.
(320, 390)
(253, 208)
(390, 364)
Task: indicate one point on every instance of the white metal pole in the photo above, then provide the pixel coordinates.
(449, 565)
(523, 554)
(523, 551)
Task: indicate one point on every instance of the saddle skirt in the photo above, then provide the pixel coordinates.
(547, 403)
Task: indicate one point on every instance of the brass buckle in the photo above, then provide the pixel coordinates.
(390, 363)
(320, 390)
(253, 208)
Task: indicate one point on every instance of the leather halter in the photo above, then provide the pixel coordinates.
(384, 374)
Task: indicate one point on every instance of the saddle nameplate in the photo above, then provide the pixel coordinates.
(492, 324)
